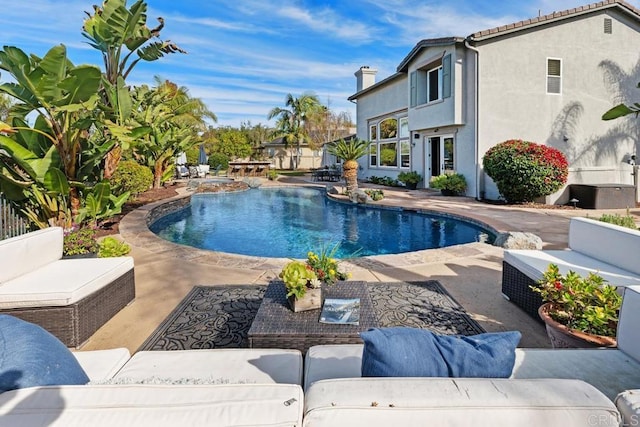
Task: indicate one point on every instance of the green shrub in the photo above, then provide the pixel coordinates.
(624, 221)
(131, 176)
(374, 194)
(112, 247)
(453, 182)
(79, 241)
(218, 159)
(412, 177)
(524, 171)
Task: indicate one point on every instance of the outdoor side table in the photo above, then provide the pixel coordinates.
(277, 326)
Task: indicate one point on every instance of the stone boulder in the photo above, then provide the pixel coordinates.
(518, 240)
(359, 196)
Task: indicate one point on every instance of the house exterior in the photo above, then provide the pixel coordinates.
(547, 80)
(304, 157)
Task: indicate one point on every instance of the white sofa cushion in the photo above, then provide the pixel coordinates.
(323, 362)
(627, 334)
(609, 370)
(102, 364)
(534, 263)
(25, 253)
(610, 243)
(628, 403)
(62, 282)
(456, 401)
(233, 366)
(153, 405)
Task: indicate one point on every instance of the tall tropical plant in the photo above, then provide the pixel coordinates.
(622, 110)
(167, 121)
(290, 123)
(55, 154)
(123, 38)
(349, 151)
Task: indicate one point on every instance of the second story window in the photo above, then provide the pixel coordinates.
(554, 76)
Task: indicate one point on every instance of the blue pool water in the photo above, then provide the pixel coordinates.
(289, 222)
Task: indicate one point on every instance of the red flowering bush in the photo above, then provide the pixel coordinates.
(524, 171)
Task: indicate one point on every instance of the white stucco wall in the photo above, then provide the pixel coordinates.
(597, 69)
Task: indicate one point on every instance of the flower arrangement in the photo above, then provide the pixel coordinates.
(325, 266)
(79, 241)
(319, 268)
(587, 304)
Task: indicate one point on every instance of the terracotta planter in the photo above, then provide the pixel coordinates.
(563, 337)
(311, 300)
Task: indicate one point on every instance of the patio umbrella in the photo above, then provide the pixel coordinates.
(202, 156)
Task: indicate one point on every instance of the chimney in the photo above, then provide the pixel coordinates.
(365, 77)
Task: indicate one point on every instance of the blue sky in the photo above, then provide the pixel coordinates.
(245, 56)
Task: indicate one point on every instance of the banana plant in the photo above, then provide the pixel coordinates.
(123, 38)
(101, 203)
(55, 157)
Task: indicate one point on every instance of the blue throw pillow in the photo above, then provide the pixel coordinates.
(30, 356)
(412, 352)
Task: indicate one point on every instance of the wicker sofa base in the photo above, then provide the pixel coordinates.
(515, 287)
(74, 324)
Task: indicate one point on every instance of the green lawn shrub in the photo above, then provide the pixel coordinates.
(131, 176)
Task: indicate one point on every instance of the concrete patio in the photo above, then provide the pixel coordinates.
(166, 272)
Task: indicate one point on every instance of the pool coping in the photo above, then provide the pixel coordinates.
(134, 229)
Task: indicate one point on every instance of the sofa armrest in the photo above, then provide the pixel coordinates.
(28, 252)
(627, 335)
(102, 364)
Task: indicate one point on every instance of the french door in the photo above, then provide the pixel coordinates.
(440, 154)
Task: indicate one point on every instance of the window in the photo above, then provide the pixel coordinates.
(431, 83)
(404, 127)
(373, 155)
(392, 146)
(389, 154)
(388, 128)
(373, 133)
(554, 76)
(405, 154)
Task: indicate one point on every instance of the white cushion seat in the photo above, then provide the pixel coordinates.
(153, 405)
(456, 401)
(534, 263)
(62, 282)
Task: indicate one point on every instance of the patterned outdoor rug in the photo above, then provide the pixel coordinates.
(220, 316)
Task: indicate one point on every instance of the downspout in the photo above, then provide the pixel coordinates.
(476, 146)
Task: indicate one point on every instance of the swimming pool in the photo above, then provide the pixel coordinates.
(287, 222)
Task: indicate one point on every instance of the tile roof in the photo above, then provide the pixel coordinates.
(555, 16)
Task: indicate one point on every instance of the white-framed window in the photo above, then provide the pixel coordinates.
(431, 83)
(554, 75)
(390, 146)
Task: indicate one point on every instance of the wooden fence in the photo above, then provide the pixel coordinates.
(10, 223)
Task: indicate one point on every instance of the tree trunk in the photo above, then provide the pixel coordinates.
(158, 171)
(351, 176)
(111, 161)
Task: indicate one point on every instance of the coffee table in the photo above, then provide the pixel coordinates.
(277, 326)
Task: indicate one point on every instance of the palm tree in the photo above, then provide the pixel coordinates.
(349, 151)
(291, 122)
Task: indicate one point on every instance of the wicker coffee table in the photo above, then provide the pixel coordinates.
(277, 326)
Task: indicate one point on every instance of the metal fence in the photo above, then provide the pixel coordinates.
(10, 223)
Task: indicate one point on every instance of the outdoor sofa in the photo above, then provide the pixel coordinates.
(231, 387)
(594, 246)
(547, 387)
(71, 298)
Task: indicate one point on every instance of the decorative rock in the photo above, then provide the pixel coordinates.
(332, 190)
(518, 240)
(359, 196)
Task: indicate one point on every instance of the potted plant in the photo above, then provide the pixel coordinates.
(410, 179)
(578, 311)
(303, 280)
(80, 243)
(449, 184)
(303, 288)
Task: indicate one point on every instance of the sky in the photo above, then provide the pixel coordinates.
(245, 56)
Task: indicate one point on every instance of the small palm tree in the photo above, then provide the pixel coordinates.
(350, 151)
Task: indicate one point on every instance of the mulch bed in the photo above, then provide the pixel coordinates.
(153, 195)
